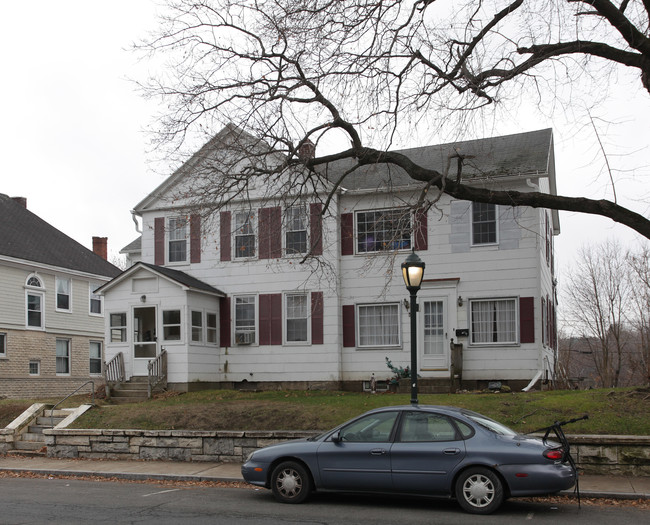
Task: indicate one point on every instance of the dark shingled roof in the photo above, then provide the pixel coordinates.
(510, 155)
(182, 278)
(26, 236)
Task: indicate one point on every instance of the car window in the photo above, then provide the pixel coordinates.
(426, 426)
(374, 428)
(465, 430)
(490, 424)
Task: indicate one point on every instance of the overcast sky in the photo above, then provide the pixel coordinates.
(73, 142)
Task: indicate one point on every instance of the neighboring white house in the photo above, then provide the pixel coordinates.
(51, 319)
(232, 298)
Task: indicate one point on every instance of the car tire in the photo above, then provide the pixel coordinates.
(290, 482)
(479, 491)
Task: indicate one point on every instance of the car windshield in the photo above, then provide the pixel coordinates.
(490, 424)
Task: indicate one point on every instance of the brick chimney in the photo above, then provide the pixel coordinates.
(21, 200)
(100, 247)
(307, 150)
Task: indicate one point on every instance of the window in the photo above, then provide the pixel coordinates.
(63, 356)
(211, 328)
(197, 326)
(63, 294)
(3, 344)
(172, 325)
(484, 223)
(383, 230)
(245, 322)
(378, 325)
(426, 426)
(494, 321)
(34, 281)
(34, 367)
(297, 317)
(296, 230)
(118, 328)
(34, 310)
(177, 239)
(244, 234)
(373, 428)
(95, 358)
(96, 300)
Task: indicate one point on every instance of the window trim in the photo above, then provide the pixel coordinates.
(123, 328)
(515, 327)
(3, 345)
(200, 327)
(386, 250)
(58, 280)
(286, 318)
(184, 221)
(211, 329)
(256, 322)
(472, 225)
(286, 231)
(68, 357)
(37, 362)
(357, 314)
(167, 325)
(97, 297)
(91, 358)
(41, 298)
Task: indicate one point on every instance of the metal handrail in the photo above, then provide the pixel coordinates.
(71, 394)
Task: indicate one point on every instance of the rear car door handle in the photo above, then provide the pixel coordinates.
(377, 452)
(451, 451)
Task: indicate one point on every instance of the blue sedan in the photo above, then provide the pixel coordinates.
(427, 450)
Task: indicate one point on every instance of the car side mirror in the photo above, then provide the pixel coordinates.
(336, 437)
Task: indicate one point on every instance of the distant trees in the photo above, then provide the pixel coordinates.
(606, 313)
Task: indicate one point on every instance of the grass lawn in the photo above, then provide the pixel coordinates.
(611, 411)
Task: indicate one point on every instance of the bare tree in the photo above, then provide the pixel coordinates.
(301, 72)
(640, 304)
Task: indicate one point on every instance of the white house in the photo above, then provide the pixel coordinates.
(232, 298)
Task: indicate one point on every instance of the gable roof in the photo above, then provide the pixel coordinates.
(528, 154)
(25, 236)
(180, 278)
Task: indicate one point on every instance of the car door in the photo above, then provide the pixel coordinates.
(357, 457)
(427, 448)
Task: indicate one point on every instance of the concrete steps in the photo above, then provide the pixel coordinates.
(32, 442)
(135, 390)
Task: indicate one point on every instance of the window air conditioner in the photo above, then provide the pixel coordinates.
(244, 338)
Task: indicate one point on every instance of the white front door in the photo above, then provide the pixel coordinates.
(145, 345)
(433, 332)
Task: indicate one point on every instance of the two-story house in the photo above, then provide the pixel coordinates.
(285, 292)
(51, 319)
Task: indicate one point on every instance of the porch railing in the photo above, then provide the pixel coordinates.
(114, 369)
(157, 372)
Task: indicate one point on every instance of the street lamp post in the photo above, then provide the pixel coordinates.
(413, 272)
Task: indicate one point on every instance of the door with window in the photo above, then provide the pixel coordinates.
(145, 342)
(433, 328)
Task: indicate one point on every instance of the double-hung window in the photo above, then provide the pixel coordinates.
(95, 358)
(245, 319)
(172, 325)
(118, 328)
(3, 344)
(211, 328)
(484, 223)
(95, 300)
(297, 317)
(34, 302)
(296, 230)
(197, 326)
(245, 234)
(177, 249)
(383, 230)
(63, 302)
(493, 321)
(378, 325)
(63, 357)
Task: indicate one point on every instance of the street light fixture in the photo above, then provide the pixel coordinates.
(413, 272)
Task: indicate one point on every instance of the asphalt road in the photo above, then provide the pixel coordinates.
(65, 501)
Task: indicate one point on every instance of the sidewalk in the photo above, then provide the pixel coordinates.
(618, 487)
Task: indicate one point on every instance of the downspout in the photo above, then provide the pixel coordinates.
(534, 380)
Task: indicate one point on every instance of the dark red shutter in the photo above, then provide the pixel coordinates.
(421, 231)
(195, 238)
(317, 312)
(349, 336)
(526, 320)
(159, 240)
(270, 228)
(225, 234)
(316, 228)
(270, 308)
(347, 234)
(224, 321)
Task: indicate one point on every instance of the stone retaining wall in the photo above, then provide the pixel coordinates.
(619, 455)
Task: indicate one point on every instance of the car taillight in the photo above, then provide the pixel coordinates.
(553, 454)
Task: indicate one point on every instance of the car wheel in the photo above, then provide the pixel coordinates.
(290, 482)
(479, 491)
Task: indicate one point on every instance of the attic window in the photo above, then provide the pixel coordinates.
(34, 281)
